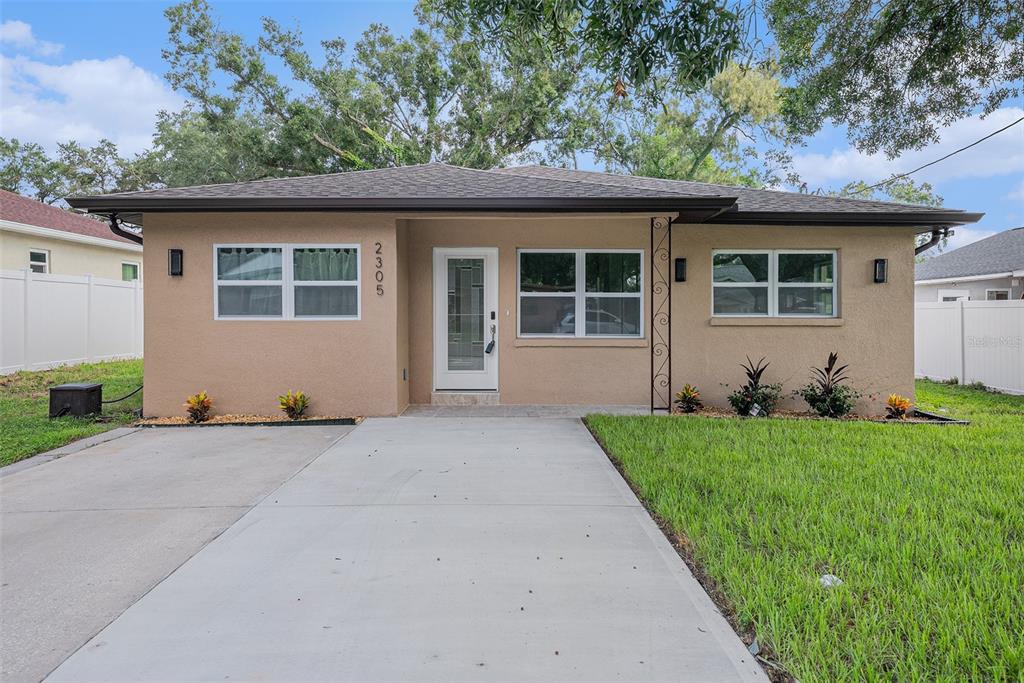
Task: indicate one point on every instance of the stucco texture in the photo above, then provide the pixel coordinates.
(348, 367)
(383, 362)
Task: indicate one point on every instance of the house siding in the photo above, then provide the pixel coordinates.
(975, 288)
(348, 367)
(66, 258)
(356, 367)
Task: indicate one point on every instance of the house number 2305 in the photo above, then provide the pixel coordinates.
(378, 262)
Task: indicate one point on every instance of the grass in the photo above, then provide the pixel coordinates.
(25, 428)
(924, 524)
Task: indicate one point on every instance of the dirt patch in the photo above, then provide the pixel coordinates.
(229, 419)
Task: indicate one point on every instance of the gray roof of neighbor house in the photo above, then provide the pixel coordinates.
(441, 187)
(996, 255)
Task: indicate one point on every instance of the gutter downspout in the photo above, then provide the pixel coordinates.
(115, 227)
(937, 235)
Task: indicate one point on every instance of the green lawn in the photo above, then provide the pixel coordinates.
(924, 524)
(25, 428)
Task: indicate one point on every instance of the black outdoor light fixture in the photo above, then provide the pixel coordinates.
(680, 270)
(175, 262)
(881, 270)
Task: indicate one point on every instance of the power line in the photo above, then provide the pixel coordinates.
(931, 163)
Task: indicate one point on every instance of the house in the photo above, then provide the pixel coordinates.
(991, 269)
(48, 239)
(372, 290)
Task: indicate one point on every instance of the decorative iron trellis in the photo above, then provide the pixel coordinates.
(661, 314)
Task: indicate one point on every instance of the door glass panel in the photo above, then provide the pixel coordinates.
(466, 314)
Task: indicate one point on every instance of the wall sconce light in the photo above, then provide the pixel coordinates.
(680, 270)
(881, 270)
(175, 262)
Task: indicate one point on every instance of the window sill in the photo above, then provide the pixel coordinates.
(739, 321)
(580, 342)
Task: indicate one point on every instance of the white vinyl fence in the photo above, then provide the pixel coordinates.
(51, 320)
(974, 341)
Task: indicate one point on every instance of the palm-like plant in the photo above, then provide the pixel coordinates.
(827, 394)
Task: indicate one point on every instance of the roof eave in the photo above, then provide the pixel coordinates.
(862, 218)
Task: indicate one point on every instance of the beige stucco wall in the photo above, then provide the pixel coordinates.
(66, 258)
(537, 371)
(356, 367)
(348, 367)
(874, 333)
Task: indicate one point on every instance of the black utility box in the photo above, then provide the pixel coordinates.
(76, 399)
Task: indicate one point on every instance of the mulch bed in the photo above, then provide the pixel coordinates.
(248, 420)
(915, 417)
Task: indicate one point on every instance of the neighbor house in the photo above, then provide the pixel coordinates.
(372, 290)
(47, 239)
(991, 269)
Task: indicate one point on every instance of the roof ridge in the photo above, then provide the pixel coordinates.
(498, 171)
(735, 187)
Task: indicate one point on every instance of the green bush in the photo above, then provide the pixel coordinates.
(827, 395)
(765, 396)
(293, 404)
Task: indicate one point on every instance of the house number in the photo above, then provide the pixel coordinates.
(379, 263)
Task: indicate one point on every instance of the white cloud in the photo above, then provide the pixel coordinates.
(1018, 192)
(1000, 155)
(964, 235)
(19, 35)
(84, 100)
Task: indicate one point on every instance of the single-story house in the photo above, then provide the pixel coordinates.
(991, 269)
(48, 239)
(372, 290)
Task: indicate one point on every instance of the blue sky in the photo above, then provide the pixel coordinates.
(87, 70)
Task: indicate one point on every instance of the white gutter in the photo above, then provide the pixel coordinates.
(50, 233)
(969, 278)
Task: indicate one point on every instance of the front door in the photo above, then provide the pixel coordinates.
(466, 319)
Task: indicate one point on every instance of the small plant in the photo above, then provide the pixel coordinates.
(896, 407)
(755, 398)
(688, 399)
(954, 380)
(293, 404)
(198, 407)
(826, 394)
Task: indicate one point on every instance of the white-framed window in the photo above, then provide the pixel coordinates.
(997, 294)
(954, 295)
(580, 292)
(39, 260)
(130, 270)
(286, 282)
(784, 283)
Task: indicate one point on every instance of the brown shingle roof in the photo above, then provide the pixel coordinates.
(18, 209)
(438, 186)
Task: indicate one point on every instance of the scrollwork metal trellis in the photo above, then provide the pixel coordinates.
(661, 314)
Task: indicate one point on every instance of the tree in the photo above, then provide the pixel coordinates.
(434, 95)
(895, 72)
(26, 168)
(707, 136)
(626, 41)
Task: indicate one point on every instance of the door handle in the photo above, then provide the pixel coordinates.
(490, 344)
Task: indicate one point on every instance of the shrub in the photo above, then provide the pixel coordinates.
(765, 396)
(896, 407)
(952, 380)
(826, 394)
(293, 404)
(198, 407)
(688, 399)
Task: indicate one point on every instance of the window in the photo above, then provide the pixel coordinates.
(997, 295)
(302, 281)
(773, 283)
(580, 293)
(129, 271)
(954, 295)
(39, 260)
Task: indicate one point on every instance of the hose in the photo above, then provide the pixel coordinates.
(115, 400)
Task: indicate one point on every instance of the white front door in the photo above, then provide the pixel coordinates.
(465, 319)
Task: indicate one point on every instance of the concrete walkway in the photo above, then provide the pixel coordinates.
(431, 549)
(85, 536)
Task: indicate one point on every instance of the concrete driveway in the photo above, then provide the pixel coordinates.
(431, 549)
